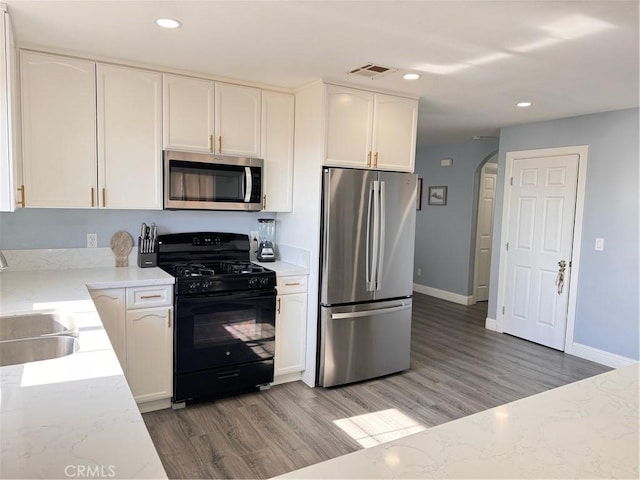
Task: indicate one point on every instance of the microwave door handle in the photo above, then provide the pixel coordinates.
(248, 184)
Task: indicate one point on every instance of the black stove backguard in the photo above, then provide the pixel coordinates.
(225, 310)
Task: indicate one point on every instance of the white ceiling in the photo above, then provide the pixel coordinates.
(477, 58)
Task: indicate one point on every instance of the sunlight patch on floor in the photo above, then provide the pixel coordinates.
(375, 428)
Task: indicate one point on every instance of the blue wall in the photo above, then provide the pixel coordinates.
(67, 228)
(445, 235)
(607, 314)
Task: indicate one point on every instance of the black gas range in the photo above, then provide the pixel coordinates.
(224, 310)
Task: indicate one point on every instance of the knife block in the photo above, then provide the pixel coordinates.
(147, 260)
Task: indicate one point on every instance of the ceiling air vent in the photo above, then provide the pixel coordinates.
(371, 70)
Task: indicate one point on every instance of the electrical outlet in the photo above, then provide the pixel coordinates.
(599, 244)
(418, 271)
(254, 239)
(92, 240)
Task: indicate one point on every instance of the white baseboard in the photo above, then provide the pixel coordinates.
(154, 405)
(443, 294)
(600, 356)
(491, 324)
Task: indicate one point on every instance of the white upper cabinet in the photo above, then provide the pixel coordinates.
(394, 133)
(129, 138)
(277, 150)
(349, 127)
(188, 114)
(9, 171)
(370, 130)
(58, 131)
(237, 120)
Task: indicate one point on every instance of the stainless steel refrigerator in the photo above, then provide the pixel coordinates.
(366, 276)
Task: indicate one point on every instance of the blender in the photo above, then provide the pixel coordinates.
(266, 232)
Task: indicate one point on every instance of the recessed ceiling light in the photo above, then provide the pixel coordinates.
(411, 76)
(524, 104)
(168, 23)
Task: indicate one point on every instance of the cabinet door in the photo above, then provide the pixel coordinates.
(349, 126)
(291, 323)
(150, 353)
(59, 131)
(277, 150)
(188, 113)
(111, 308)
(394, 133)
(237, 120)
(8, 105)
(129, 138)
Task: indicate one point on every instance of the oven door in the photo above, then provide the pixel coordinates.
(223, 329)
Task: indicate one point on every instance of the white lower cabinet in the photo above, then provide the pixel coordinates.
(139, 322)
(111, 308)
(150, 353)
(291, 328)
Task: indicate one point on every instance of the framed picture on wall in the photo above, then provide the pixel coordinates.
(437, 195)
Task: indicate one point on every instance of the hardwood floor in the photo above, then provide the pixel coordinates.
(457, 368)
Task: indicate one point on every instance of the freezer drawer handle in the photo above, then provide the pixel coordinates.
(368, 313)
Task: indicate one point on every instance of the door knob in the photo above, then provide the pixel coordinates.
(562, 265)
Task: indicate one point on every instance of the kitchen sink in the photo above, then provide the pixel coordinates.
(36, 324)
(33, 349)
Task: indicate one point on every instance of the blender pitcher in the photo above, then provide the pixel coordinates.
(266, 232)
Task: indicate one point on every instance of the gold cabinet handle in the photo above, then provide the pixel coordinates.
(264, 202)
(146, 297)
(21, 201)
(293, 284)
(93, 197)
(169, 320)
(220, 144)
(375, 160)
(104, 197)
(211, 143)
(369, 160)
(279, 305)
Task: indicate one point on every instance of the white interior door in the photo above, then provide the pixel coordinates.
(484, 232)
(542, 201)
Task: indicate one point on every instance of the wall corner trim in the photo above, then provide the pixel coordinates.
(491, 324)
(600, 356)
(443, 294)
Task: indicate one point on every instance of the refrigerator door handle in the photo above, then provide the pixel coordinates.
(369, 313)
(375, 243)
(368, 266)
(381, 212)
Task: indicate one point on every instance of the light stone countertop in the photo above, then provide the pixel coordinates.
(283, 268)
(73, 416)
(587, 429)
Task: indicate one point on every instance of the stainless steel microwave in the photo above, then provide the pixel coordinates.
(204, 181)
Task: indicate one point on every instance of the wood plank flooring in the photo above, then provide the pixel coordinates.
(457, 368)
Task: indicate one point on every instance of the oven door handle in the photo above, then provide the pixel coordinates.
(248, 184)
(236, 295)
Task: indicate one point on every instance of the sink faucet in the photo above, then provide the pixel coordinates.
(3, 263)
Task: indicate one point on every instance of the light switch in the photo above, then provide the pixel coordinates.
(599, 244)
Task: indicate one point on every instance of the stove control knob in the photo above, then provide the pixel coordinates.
(206, 285)
(253, 282)
(193, 286)
(264, 281)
